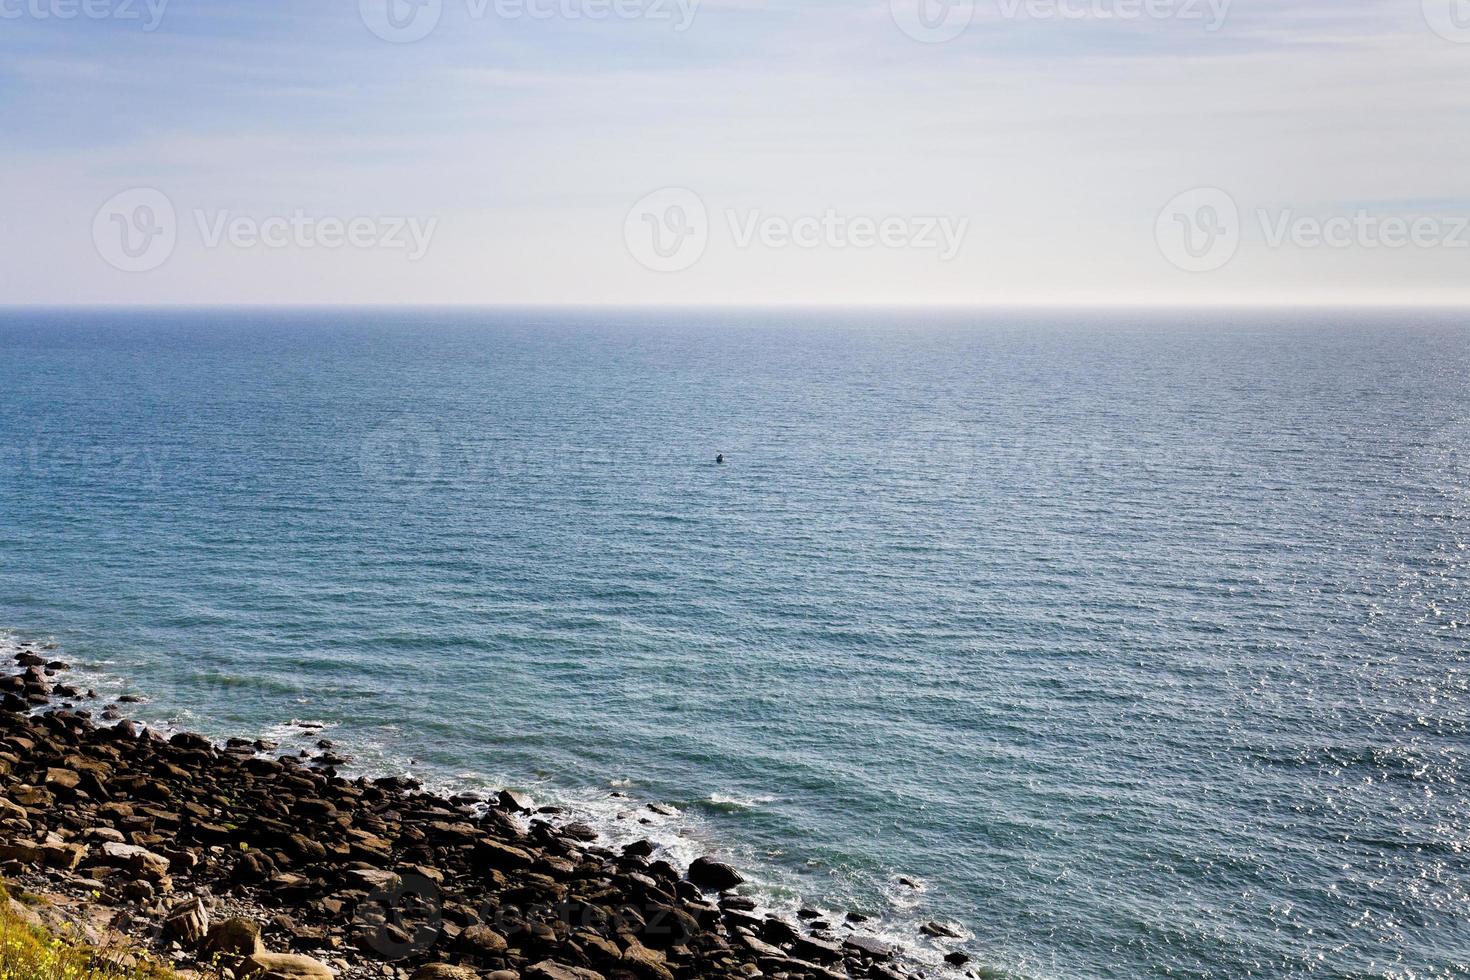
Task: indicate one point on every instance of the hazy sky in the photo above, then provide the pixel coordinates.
(735, 151)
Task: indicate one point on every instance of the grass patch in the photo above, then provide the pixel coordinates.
(28, 953)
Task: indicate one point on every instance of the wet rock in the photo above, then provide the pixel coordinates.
(639, 848)
(779, 931)
(868, 946)
(511, 800)
(816, 950)
(956, 958)
(712, 875)
(579, 832)
(938, 930)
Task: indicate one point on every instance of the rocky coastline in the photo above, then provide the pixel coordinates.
(207, 856)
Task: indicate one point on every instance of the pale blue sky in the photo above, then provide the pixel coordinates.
(517, 148)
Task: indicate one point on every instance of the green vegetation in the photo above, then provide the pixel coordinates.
(29, 953)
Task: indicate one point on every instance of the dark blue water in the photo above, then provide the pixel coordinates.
(1139, 642)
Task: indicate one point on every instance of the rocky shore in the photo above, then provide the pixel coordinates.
(210, 855)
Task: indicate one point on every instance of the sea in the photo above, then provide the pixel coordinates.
(1124, 644)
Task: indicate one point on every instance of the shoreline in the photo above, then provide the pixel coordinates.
(368, 877)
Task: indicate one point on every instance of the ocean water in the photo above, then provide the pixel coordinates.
(1137, 642)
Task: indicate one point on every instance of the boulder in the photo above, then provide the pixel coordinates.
(646, 963)
(552, 970)
(483, 941)
(139, 860)
(503, 856)
(23, 852)
(938, 929)
(579, 832)
(874, 949)
(712, 875)
(62, 778)
(511, 800)
(816, 950)
(67, 857)
(234, 937)
(186, 923)
(779, 931)
(285, 966)
(32, 796)
(444, 971)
